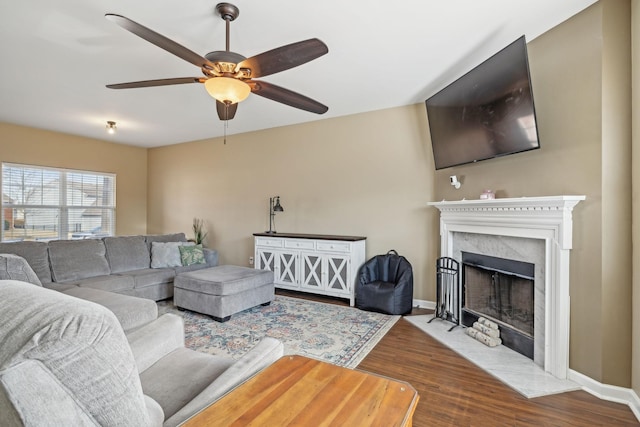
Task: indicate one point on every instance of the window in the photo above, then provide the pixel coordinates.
(41, 203)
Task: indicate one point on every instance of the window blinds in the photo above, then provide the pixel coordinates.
(41, 203)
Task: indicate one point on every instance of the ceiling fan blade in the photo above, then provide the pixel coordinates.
(284, 57)
(285, 96)
(160, 41)
(226, 111)
(159, 82)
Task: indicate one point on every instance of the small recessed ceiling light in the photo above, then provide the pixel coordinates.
(111, 127)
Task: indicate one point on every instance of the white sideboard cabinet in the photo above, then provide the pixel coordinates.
(316, 263)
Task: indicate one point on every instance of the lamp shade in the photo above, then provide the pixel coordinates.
(227, 89)
(278, 207)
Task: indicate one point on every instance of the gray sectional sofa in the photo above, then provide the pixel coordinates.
(67, 362)
(121, 264)
(90, 351)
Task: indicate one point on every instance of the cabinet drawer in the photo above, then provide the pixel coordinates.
(265, 241)
(333, 246)
(299, 244)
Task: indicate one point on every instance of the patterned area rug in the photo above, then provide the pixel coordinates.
(336, 334)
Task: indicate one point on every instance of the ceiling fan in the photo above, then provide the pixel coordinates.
(229, 76)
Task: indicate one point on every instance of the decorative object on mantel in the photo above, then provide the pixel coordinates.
(274, 206)
(198, 231)
(485, 331)
(488, 195)
(447, 291)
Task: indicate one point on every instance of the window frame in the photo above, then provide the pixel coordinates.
(64, 206)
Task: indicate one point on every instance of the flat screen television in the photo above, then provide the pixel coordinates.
(486, 113)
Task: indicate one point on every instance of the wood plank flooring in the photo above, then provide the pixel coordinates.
(455, 392)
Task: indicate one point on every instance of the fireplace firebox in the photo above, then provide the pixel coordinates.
(501, 290)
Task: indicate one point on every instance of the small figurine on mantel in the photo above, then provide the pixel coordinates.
(488, 195)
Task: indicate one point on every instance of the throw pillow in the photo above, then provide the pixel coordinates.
(165, 255)
(14, 267)
(192, 255)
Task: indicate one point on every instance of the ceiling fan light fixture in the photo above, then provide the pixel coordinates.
(227, 89)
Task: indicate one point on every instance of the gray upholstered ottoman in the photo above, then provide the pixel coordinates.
(223, 290)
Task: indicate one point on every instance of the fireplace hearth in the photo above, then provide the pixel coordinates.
(503, 291)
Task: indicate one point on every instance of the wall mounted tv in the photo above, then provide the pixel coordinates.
(486, 113)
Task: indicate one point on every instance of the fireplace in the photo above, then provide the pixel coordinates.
(503, 291)
(523, 222)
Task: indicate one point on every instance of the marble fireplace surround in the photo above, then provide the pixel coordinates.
(547, 219)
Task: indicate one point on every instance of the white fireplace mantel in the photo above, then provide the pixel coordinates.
(546, 218)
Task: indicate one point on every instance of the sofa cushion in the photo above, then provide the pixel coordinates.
(82, 349)
(110, 283)
(167, 384)
(73, 260)
(59, 286)
(192, 267)
(36, 255)
(149, 276)
(210, 256)
(126, 253)
(166, 254)
(175, 237)
(17, 268)
(131, 312)
(190, 255)
(22, 386)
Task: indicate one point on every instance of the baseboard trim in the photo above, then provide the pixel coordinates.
(608, 392)
(419, 303)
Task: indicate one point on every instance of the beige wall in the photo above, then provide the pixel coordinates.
(580, 77)
(371, 175)
(616, 192)
(367, 175)
(635, 31)
(24, 145)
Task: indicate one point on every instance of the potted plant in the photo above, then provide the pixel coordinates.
(198, 231)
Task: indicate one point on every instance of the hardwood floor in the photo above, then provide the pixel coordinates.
(455, 392)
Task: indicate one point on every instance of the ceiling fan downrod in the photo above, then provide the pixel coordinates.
(229, 13)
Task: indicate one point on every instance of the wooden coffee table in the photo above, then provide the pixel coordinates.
(298, 391)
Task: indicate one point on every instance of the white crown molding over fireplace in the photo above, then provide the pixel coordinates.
(545, 218)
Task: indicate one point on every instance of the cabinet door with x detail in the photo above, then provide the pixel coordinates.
(338, 273)
(288, 268)
(283, 264)
(312, 271)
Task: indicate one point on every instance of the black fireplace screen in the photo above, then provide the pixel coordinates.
(500, 296)
(499, 289)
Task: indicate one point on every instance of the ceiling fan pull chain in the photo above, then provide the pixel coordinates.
(226, 120)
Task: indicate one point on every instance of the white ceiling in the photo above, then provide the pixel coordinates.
(57, 56)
